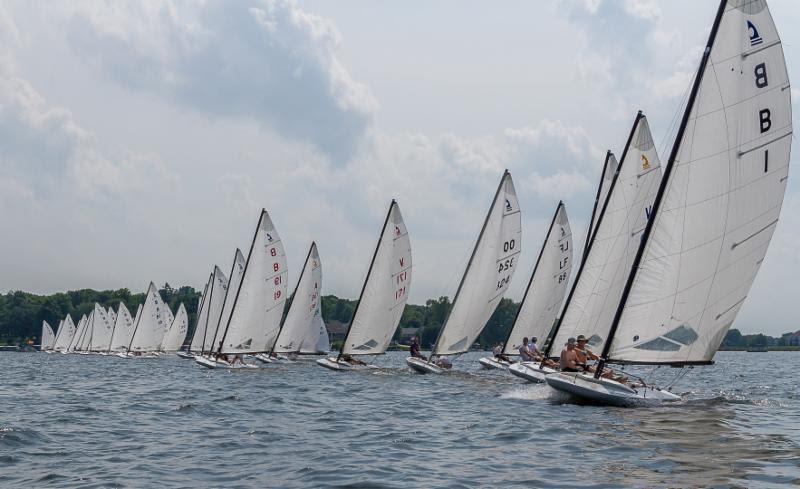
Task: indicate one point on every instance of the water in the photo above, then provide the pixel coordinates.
(88, 421)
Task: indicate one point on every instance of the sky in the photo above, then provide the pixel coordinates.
(139, 140)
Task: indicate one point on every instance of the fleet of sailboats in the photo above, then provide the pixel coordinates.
(668, 260)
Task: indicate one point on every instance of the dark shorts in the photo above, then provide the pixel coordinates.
(571, 370)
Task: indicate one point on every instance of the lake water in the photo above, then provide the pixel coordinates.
(89, 421)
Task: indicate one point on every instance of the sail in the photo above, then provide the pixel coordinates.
(222, 303)
(112, 316)
(598, 289)
(123, 329)
(152, 323)
(177, 331)
(65, 334)
(323, 344)
(547, 286)
(102, 328)
(258, 301)
(488, 273)
(48, 337)
(610, 168)
(202, 317)
(720, 199)
(300, 324)
(79, 329)
(82, 342)
(169, 319)
(385, 290)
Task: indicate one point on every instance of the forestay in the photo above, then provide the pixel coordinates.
(177, 331)
(547, 286)
(300, 324)
(153, 321)
(48, 338)
(488, 273)
(101, 329)
(123, 329)
(591, 306)
(65, 334)
(720, 201)
(385, 290)
(258, 301)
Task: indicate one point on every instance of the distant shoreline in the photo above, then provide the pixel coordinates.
(769, 348)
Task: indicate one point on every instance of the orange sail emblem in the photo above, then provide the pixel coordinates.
(645, 163)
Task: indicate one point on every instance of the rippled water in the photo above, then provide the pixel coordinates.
(88, 421)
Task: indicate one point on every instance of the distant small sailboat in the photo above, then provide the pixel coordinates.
(150, 326)
(713, 216)
(101, 330)
(48, 338)
(253, 323)
(79, 328)
(544, 294)
(485, 280)
(112, 316)
(176, 333)
(383, 297)
(122, 332)
(64, 335)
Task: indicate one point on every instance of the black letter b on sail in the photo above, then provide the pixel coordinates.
(764, 119)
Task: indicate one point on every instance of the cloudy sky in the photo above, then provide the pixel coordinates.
(139, 140)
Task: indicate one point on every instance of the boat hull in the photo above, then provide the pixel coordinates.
(492, 362)
(185, 355)
(607, 392)
(213, 364)
(530, 371)
(340, 366)
(422, 366)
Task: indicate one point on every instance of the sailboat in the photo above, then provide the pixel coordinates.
(544, 293)
(79, 328)
(122, 332)
(64, 335)
(485, 280)
(253, 323)
(300, 323)
(101, 330)
(82, 341)
(713, 216)
(149, 327)
(383, 297)
(196, 343)
(213, 304)
(48, 338)
(176, 333)
(319, 343)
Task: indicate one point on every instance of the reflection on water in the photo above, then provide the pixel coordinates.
(90, 421)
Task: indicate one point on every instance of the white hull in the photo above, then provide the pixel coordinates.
(493, 362)
(184, 354)
(531, 371)
(212, 363)
(423, 366)
(131, 355)
(605, 391)
(332, 363)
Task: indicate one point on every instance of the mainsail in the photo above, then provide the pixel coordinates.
(177, 331)
(488, 273)
(610, 169)
(79, 329)
(102, 329)
(601, 278)
(320, 342)
(719, 202)
(300, 324)
(82, 341)
(385, 290)
(123, 329)
(152, 323)
(258, 300)
(547, 286)
(65, 334)
(222, 302)
(112, 316)
(202, 317)
(48, 338)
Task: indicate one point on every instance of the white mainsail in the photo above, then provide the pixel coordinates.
(65, 334)
(222, 304)
(322, 342)
(48, 338)
(102, 329)
(77, 334)
(300, 324)
(385, 290)
(202, 317)
(610, 168)
(488, 273)
(123, 328)
(601, 279)
(258, 301)
(177, 331)
(152, 323)
(547, 286)
(82, 342)
(720, 199)
(112, 316)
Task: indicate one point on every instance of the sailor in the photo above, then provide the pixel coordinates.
(525, 353)
(569, 359)
(497, 351)
(415, 348)
(584, 354)
(351, 359)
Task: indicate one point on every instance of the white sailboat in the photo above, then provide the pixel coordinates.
(79, 328)
(222, 299)
(253, 323)
(150, 326)
(112, 316)
(196, 343)
(176, 333)
(48, 338)
(122, 332)
(82, 340)
(383, 297)
(544, 293)
(64, 335)
(300, 325)
(319, 343)
(485, 280)
(714, 214)
(101, 330)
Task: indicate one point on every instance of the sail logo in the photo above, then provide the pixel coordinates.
(755, 38)
(508, 206)
(396, 231)
(645, 163)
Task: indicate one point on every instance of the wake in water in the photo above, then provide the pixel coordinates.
(530, 393)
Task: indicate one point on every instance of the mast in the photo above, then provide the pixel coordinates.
(662, 187)
(594, 207)
(536, 267)
(294, 293)
(469, 264)
(200, 310)
(552, 337)
(239, 288)
(366, 279)
(139, 319)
